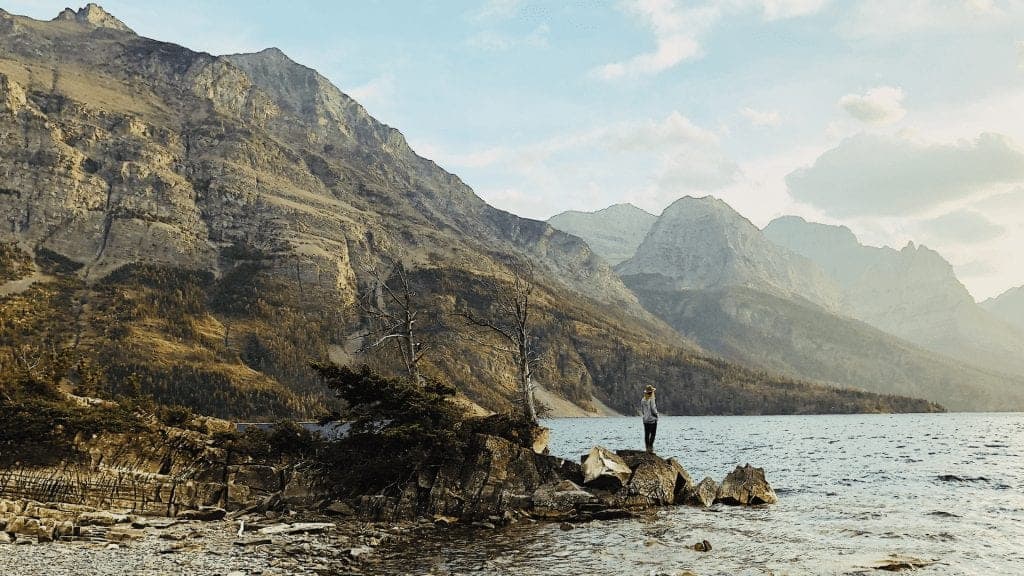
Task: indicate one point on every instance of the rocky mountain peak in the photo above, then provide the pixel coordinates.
(93, 15)
(796, 226)
(707, 205)
(612, 233)
(703, 243)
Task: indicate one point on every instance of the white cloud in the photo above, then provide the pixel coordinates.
(496, 10)
(781, 9)
(649, 162)
(870, 174)
(881, 19)
(963, 226)
(676, 36)
(1020, 54)
(495, 41)
(377, 92)
(762, 119)
(881, 105)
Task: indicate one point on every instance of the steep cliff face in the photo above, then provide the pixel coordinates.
(912, 293)
(201, 227)
(614, 233)
(703, 243)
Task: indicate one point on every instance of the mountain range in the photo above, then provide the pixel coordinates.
(196, 229)
(808, 300)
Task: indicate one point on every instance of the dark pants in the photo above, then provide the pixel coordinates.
(650, 429)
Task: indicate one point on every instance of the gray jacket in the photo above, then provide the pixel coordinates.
(649, 410)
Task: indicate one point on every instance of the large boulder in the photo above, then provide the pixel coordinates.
(684, 483)
(703, 494)
(560, 497)
(653, 482)
(605, 470)
(745, 486)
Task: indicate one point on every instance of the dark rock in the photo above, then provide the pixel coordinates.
(702, 546)
(339, 508)
(684, 483)
(261, 478)
(604, 470)
(612, 514)
(744, 486)
(560, 468)
(566, 526)
(896, 564)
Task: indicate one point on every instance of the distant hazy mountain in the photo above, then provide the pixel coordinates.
(912, 293)
(717, 279)
(1008, 306)
(703, 243)
(613, 233)
(795, 337)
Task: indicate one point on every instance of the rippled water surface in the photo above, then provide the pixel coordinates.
(854, 491)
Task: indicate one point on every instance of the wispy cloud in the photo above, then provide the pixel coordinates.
(676, 36)
(881, 105)
(781, 9)
(649, 162)
(496, 10)
(762, 119)
(492, 40)
(871, 174)
(377, 92)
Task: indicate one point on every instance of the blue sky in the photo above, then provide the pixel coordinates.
(903, 120)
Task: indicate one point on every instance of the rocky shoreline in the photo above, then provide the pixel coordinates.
(266, 545)
(276, 537)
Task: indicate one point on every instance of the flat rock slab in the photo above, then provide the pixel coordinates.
(300, 527)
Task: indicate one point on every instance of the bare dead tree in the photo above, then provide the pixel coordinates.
(389, 304)
(510, 323)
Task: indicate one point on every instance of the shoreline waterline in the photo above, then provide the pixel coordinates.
(855, 492)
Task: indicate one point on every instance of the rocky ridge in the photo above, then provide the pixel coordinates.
(700, 243)
(613, 233)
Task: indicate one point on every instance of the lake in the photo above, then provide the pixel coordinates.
(855, 492)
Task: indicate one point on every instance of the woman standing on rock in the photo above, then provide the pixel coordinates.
(649, 411)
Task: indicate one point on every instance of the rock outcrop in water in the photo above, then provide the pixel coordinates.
(746, 485)
(497, 481)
